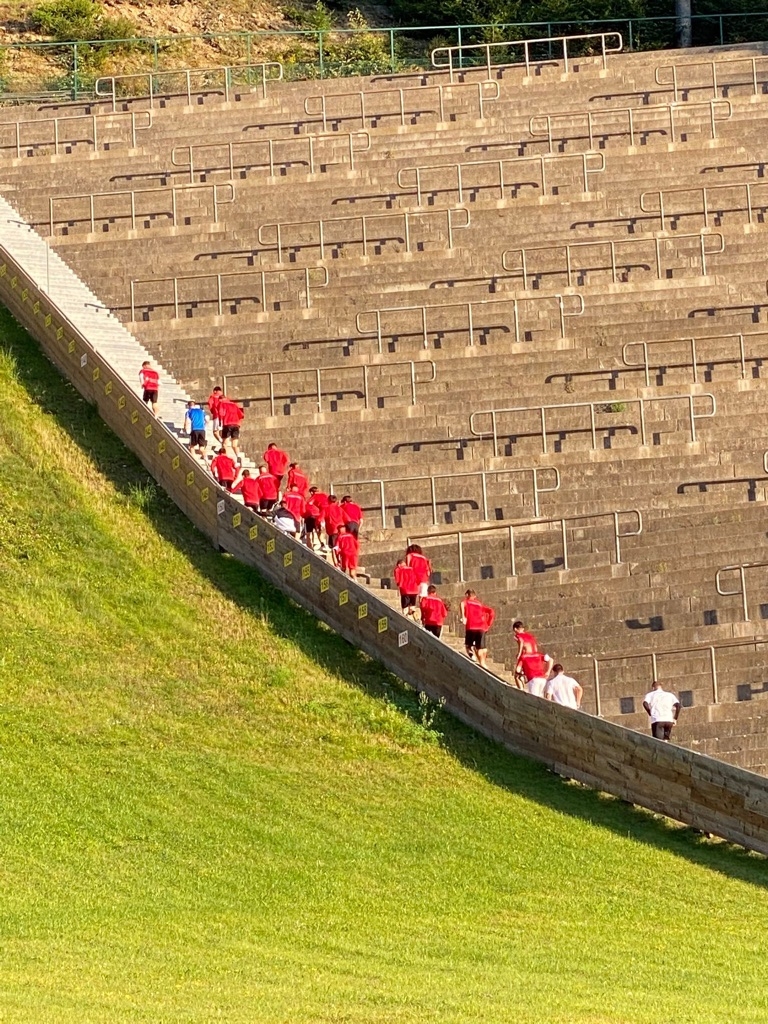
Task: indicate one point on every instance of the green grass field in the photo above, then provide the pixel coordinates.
(213, 809)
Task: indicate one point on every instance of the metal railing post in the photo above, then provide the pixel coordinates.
(564, 537)
(460, 547)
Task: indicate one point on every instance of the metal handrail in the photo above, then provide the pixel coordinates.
(567, 249)
(93, 118)
(270, 145)
(432, 479)
(469, 307)
(365, 219)
(320, 370)
(542, 410)
(460, 169)
(631, 113)
(713, 65)
(261, 275)
(653, 656)
(741, 569)
(693, 342)
(173, 190)
(321, 100)
(526, 44)
(563, 522)
(706, 192)
(151, 76)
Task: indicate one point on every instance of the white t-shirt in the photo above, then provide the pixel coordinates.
(562, 690)
(662, 704)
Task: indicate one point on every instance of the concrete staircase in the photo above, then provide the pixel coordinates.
(533, 279)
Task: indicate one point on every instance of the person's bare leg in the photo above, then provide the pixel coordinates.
(482, 655)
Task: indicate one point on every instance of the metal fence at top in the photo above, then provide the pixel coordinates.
(450, 57)
(72, 57)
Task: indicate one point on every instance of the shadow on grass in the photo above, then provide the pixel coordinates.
(244, 586)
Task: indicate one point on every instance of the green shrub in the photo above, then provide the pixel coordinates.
(67, 20)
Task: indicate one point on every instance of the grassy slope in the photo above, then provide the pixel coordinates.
(212, 809)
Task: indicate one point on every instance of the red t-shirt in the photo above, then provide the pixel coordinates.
(320, 498)
(298, 479)
(150, 379)
(313, 511)
(477, 615)
(529, 643)
(352, 512)
(223, 468)
(214, 401)
(277, 461)
(295, 504)
(420, 565)
(249, 486)
(334, 517)
(229, 413)
(534, 666)
(268, 486)
(433, 611)
(348, 548)
(406, 581)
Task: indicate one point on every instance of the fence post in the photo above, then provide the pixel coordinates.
(320, 53)
(392, 50)
(74, 71)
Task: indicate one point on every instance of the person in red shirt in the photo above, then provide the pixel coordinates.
(214, 399)
(434, 612)
(346, 551)
(149, 379)
(224, 469)
(249, 487)
(527, 645)
(277, 460)
(420, 565)
(353, 514)
(408, 585)
(231, 418)
(298, 478)
(268, 489)
(536, 669)
(294, 502)
(313, 517)
(478, 619)
(334, 518)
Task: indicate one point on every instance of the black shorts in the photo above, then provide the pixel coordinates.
(310, 524)
(331, 538)
(661, 730)
(197, 439)
(227, 484)
(434, 630)
(233, 432)
(407, 601)
(150, 396)
(266, 504)
(474, 638)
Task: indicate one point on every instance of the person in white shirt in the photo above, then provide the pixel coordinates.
(563, 689)
(663, 708)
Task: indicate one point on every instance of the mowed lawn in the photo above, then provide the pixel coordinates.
(213, 809)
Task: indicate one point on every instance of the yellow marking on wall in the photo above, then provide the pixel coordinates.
(325, 583)
(362, 611)
(148, 431)
(270, 546)
(134, 416)
(96, 374)
(121, 402)
(343, 597)
(306, 571)
(161, 447)
(288, 559)
(190, 478)
(237, 519)
(253, 533)
(108, 388)
(204, 494)
(382, 624)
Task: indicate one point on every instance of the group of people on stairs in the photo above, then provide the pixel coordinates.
(281, 490)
